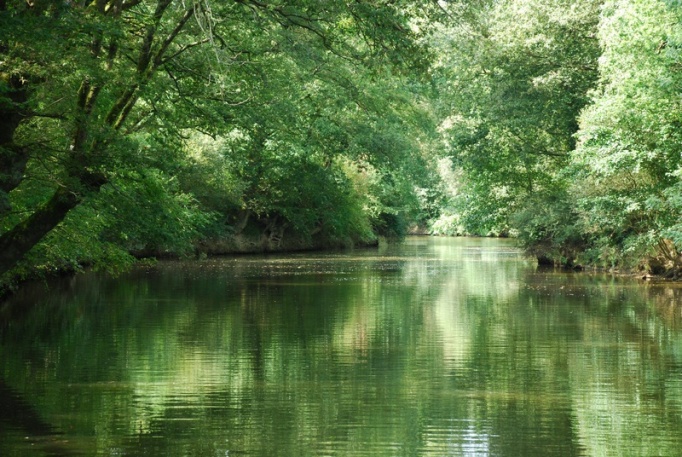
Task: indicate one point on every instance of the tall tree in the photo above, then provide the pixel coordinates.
(94, 93)
(514, 77)
(626, 169)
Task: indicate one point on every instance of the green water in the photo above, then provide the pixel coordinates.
(438, 347)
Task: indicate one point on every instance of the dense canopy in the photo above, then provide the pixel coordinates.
(133, 128)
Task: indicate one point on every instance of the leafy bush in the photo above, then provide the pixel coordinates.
(549, 228)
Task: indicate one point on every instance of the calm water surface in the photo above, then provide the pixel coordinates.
(438, 347)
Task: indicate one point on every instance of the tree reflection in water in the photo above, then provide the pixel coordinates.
(436, 347)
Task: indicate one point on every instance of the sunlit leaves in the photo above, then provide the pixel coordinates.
(515, 75)
(285, 90)
(629, 141)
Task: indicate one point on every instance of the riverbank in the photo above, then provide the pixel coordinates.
(243, 244)
(237, 245)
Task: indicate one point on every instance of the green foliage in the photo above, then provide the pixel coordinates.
(563, 123)
(166, 122)
(141, 213)
(513, 77)
(151, 127)
(626, 168)
(548, 227)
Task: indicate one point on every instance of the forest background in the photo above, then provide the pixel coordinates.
(137, 128)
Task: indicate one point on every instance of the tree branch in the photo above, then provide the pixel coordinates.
(158, 58)
(183, 49)
(130, 4)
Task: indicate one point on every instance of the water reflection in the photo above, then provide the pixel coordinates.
(436, 347)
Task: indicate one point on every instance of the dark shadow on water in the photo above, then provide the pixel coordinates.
(17, 413)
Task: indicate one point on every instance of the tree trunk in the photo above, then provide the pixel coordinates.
(17, 242)
(12, 157)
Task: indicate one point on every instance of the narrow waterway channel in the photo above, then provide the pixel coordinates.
(437, 347)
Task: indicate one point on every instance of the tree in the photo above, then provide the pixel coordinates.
(100, 95)
(626, 169)
(116, 57)
(514, 75)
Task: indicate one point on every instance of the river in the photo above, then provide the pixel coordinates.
(435, 347)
